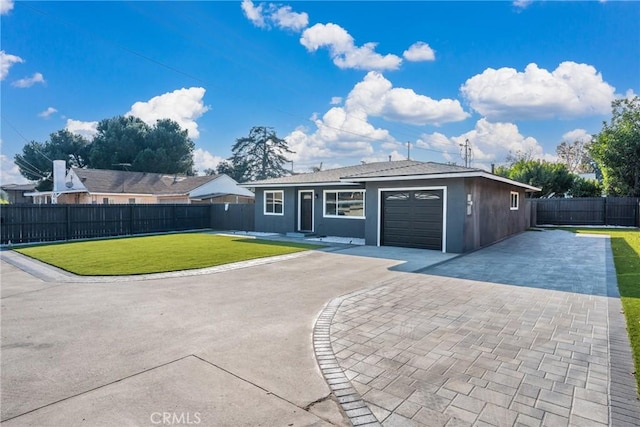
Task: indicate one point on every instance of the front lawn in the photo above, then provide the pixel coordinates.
(156, 254)
(625, 245)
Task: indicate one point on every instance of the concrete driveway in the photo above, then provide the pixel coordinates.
(228, 348)
(483, 339)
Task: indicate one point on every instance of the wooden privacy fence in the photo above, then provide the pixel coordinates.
(41, 223)
(624, 211)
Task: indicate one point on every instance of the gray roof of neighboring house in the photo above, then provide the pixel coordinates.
(18, 187)
(110, 181)
(394, 170)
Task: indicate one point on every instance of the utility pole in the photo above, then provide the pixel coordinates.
(466, 153)
(408, 150)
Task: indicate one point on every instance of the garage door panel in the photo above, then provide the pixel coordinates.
(413, 219)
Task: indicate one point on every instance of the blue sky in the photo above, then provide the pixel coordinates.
(342, 82)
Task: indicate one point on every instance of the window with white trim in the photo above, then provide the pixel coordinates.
(515, 200)
(344, 204)
(274, 202)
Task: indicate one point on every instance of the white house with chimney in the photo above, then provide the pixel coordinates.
(102, 186)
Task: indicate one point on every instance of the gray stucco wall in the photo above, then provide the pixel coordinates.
(456, 208)
(341, 227)
(276, 223)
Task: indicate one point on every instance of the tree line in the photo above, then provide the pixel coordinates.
(613, 155)
(129, 143)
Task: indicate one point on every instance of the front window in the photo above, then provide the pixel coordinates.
(515, 200)
(344, 204)
(273, 202)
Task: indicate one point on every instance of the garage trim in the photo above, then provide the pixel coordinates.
(444, 209)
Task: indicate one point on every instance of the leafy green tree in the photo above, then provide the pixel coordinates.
(238, 171)
(617, 149)
(36, 160)
(585, 188)
(129, 143)
(552, 178)
(118, 141)
(167, 149)
(261, 155)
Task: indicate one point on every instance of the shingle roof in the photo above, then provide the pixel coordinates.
(367, 170)
(19, 187)
(395, 171)
(110, 181)
(418, 168)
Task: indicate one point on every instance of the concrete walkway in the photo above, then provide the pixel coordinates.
(526, 332)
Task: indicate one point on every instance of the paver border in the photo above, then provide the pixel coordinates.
(347, 396)
(624, 406)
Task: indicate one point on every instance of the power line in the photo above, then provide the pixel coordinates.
(25, 139)
(208, 83)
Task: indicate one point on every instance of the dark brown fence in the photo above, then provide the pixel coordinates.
(41, 223)
(623, 211)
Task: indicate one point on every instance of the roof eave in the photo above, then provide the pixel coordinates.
(475, 174)
(299, 184)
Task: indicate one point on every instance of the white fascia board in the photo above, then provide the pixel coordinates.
(302, 184)
(135, 194)
(443, 176)
(49, 193)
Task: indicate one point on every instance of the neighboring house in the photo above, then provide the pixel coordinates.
(16, 192)
(399, 203)
(100, 186)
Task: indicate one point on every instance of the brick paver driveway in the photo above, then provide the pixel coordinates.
(526, 332)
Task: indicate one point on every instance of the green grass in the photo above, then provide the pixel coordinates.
(156, 254)
(625, 245)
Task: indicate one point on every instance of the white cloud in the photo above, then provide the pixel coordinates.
(344, 52)
(282, 17)
(336, 100)
(9, 172)
(377, 97)
(630, 94)
(522, 4)
(29, 81)
(345, 132)
(203, 159)
(6, 61)
(47, 113)
(577, 135)
(253, 13)
(571, 90)
(6, 6)
(184, 106)
(86, 129)
(491, 142)
(285, 18)
(419, 51)
(381, 157)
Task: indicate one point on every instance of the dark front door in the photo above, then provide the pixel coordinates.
(412, 218)
(306, 211)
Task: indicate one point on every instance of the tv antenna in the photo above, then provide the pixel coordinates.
(466, 153)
